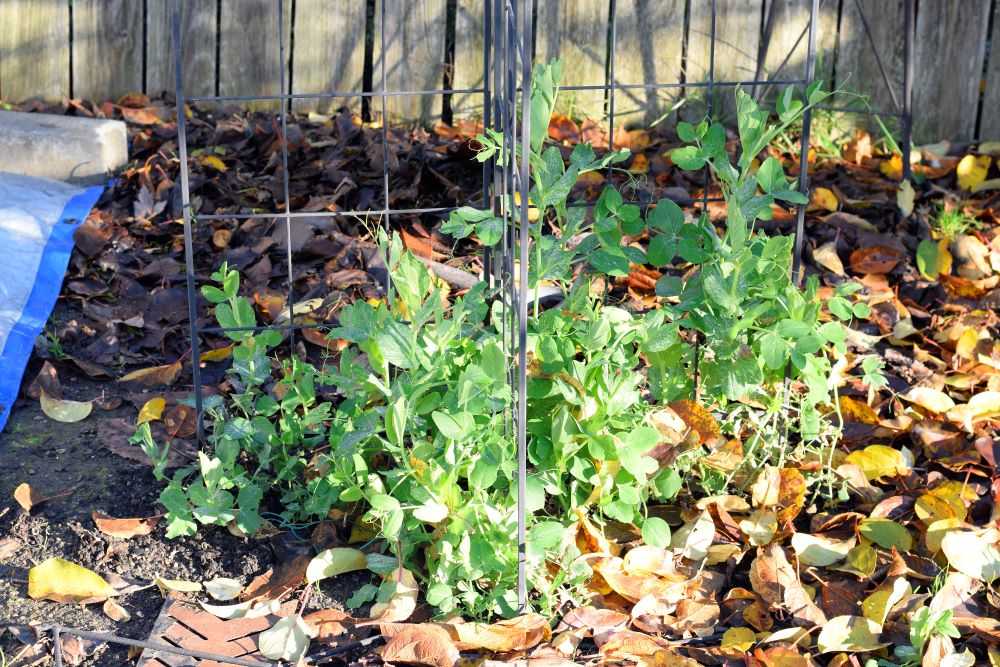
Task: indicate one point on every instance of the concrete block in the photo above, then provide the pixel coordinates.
(64, 148)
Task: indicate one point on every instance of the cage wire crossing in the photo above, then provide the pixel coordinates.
(507, 74)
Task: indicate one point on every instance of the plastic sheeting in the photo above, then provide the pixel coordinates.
(37, 220)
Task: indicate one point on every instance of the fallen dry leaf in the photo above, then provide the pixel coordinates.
(418, 644)
(62, 581)
(124, 528)
(157, 376)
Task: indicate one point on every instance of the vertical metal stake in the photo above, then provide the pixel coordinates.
(286, 190)
(522, 306)
(192, 294)
(908, 29)
(798, 272)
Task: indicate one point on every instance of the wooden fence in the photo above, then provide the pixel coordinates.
(102, 49)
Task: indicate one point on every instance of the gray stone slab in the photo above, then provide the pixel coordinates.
(64, 148)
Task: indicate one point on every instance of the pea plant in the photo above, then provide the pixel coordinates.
(407, 436)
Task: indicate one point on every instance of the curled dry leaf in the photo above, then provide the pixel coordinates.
(930, 399)
(157, 376)
(63, 581)
(115, 611)
(223, 588)
(974, 553)
(774, 579)
(875, 259)
(328, 623)
(423, 644)
(287, 639)
(227, 611)
(513, 634)
(65, 411)
(26, 496)
(827, 257)
(124, 528)
(176, 585)
(151, 410)
(331, 562)
(403, 602)
(820, 551)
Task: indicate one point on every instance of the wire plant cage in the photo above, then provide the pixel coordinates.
(508, 59)
(507, 74)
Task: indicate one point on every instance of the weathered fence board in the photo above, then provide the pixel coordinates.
(329, 52)
(737, 40)
(249, 60)
(231, 48)
(785, 40)
(468, 57)
(647, 51)
(952, 39)
(34, 49)
(857, 64)
(198, 21)
(414, 57)
(577, 33)
(990, 129)
(107, 47)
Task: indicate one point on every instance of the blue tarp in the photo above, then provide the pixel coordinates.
(37, 221)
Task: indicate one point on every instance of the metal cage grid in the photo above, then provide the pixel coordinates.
(507, 68)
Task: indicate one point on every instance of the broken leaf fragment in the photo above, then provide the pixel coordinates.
(63, 581)
(65, 411)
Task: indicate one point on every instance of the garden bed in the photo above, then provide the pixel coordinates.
(122, 313)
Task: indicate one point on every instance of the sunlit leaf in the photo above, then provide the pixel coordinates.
(849, 633)
(820, 551)
(335, 561)
(887, 534)
(287, 639)
(62, 581)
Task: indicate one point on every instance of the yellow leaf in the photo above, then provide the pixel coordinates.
(64, 411)
(971, 170)
(876, 607)
(331, 562)
(944, 501)
(62, 581)
(823, 198)
(738, 639)
(176, 585)
(849, 633)
(218, 354)
(905, 197)
(930, 399)
(892, 168)
(878, 461)
(152, 410)
(214, 162)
